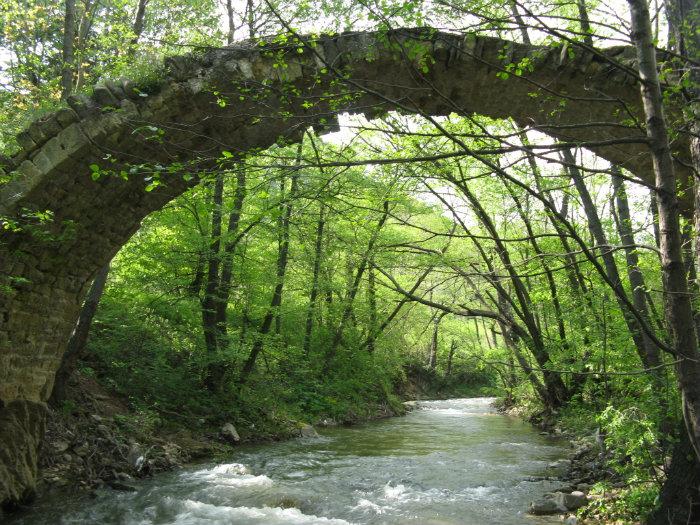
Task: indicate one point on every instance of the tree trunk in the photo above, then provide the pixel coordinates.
(276, 301)
(557, 391)
(520, 23)
(679, 313)
(68, 50)
(551, 283)
(372, 305)
(680, 494)
(313, 294)
(584, 22)
(223, 292)
(450, 356)
(432, 355)
(230, 17)
(354, 286)
(139, 22)
(212, 278)
(646, 349)
(78, 339)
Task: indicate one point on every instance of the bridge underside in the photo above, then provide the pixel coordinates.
(238, 99)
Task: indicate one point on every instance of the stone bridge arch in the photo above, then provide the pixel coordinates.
(238, 99)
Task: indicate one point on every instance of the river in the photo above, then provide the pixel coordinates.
(447, 462)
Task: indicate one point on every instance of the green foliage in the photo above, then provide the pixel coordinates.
(621, 505)
(466, 233)
(633, 439)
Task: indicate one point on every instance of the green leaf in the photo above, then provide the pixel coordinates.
(153, 185)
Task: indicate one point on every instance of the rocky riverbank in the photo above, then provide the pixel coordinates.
(587, 465)
(96, 440)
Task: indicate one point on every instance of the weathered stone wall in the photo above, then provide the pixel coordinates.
(237, 99)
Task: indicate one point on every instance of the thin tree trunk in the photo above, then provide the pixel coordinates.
(212, 278)
(313, 294)
(250, 12)
(78, 339)
(450, 356)
(634, 274)
(230, 16)
(139, 22)
(328, 296)
(646, 349)
(654, 208)
(372, 306)
(584, 22)
(276, 301)
(639, 298)
(232, 239)
(354, 286)
(68, 49)
(520, 23)
(551, 283)
(282, 232)
(195, 287)
(432, 354)
(557, 391)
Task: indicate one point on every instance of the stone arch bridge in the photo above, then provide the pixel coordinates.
(237, 99)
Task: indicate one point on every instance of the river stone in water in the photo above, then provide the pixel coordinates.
(307, 431)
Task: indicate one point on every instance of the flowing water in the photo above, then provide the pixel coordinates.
(448, 462)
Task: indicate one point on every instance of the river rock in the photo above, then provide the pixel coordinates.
(561, 463)
(117, 485)
(573, 501)
(558, 503)
(307, 431)
(123, 477)
(546, 505)
(135, 456)
(229, 433)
